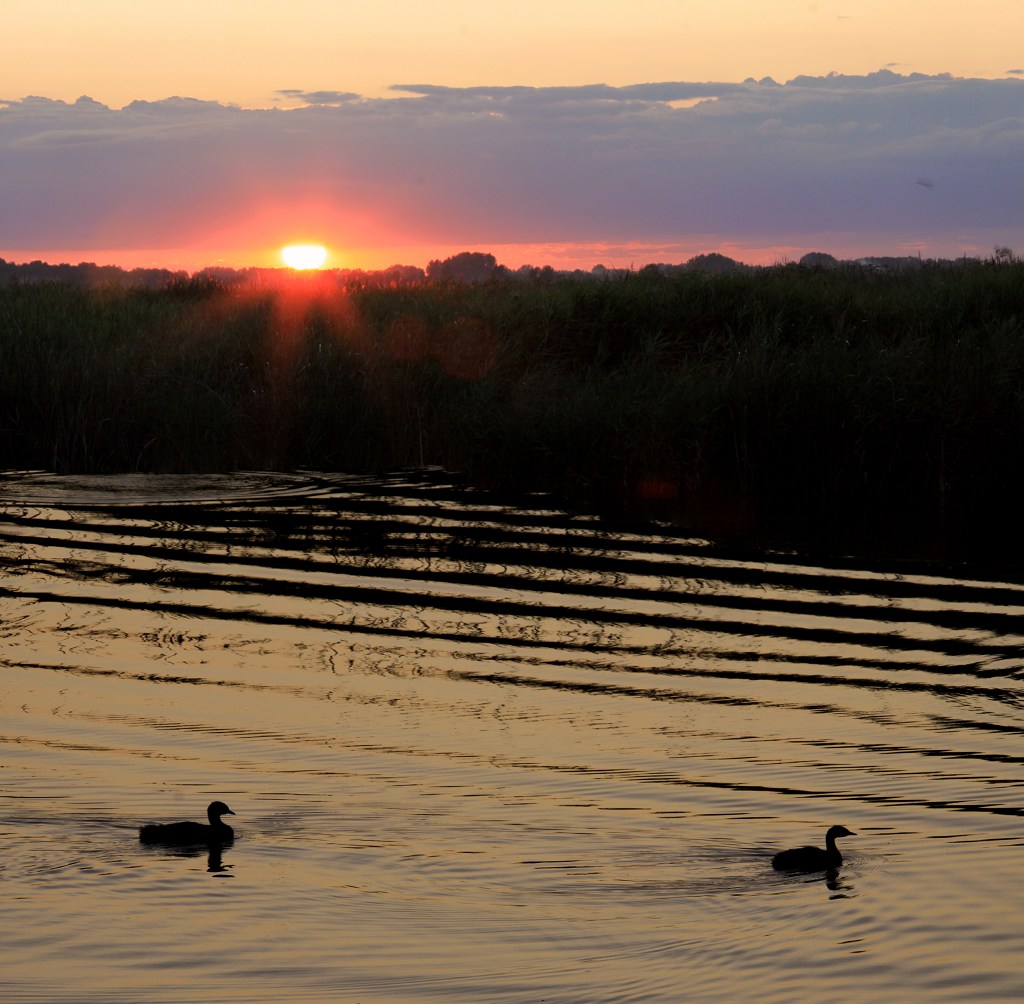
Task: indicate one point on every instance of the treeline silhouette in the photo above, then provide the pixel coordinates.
(467, 266)
(859, 404)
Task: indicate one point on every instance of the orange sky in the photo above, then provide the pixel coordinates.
(118, 51)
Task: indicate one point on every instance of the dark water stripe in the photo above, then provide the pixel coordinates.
(490, 523)
(660, 573)
(985, 652)
(618, 689)
(936, 687)
(416, 494)
(724, 700)
(879, 610)
(922, 751)
(122, 674)
(646, 777)
(845, 662)
(952, 619)
(354, 597)
(240, 584)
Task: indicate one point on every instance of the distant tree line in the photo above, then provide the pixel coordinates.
(464, 267)
(88, 274)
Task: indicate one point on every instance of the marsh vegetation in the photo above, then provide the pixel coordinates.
(788, 399)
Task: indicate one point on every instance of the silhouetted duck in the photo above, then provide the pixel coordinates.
(182, 834)
(813, 859)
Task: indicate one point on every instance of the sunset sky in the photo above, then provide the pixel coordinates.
(565, 133)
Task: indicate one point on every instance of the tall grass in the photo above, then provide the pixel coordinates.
(784, 399)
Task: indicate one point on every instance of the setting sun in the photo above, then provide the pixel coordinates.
(304, 256)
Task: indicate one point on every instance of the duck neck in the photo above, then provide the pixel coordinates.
(831, 850)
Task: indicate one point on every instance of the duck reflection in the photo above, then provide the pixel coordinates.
(214, 856)
(836, 883)
(215, 864)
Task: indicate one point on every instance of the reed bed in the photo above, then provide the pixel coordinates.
(792, 400)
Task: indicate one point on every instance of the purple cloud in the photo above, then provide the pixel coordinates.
(318, 97)
(835, 154)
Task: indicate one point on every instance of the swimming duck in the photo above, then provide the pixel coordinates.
(182, 834)
(813, 859)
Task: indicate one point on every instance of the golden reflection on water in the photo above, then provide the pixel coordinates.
(480, 753)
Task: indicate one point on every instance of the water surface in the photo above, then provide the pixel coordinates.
(490, 753)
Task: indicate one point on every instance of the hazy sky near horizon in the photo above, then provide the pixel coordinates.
(569, 131)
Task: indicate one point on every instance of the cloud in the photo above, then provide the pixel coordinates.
(318, 97)
(554, 96)
(498, 165)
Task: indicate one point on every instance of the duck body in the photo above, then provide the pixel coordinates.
(813, 859)
(184, 834)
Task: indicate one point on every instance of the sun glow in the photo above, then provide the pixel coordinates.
(304, 256)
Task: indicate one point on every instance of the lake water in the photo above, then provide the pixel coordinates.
(489, 753)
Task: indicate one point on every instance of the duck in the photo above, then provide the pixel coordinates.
(813, 859)
(215, 832)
